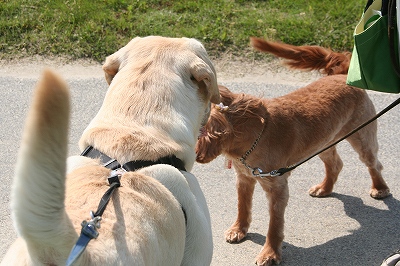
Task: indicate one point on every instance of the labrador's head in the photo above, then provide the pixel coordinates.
(168, 59)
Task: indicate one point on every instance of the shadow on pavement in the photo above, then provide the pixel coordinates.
(377, 236)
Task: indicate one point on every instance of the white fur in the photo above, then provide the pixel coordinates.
(179, 85)
(186, 189)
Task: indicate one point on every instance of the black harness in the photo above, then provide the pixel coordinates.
(89, 228)
(132, 165)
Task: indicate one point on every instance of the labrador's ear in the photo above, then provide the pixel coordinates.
(204, 73)
(111, 66)
(117, 60)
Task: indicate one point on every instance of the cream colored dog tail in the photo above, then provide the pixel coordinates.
(38, 192)
(306, 57)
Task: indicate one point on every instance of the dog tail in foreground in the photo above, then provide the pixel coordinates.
(37, 197)
(306, 57)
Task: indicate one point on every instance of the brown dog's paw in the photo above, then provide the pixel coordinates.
(234, 235)
(267, 258)
(318, 191)
(379, 193)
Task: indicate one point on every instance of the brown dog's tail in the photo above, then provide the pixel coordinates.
(306, 57)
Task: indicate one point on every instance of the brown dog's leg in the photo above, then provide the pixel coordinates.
(333, 166)
(365, 143)
(277, 192)
(245, 189)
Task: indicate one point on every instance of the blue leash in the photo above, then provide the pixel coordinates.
(88, 232)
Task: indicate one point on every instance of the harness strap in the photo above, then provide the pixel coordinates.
(132, 165)
(105, 160)
(89, 228)
(114, 183)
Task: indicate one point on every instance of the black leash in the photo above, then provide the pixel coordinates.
(114, 182)
(89, 228)
(389, 8)
(258, 172)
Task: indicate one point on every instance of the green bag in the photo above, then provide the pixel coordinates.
(374, 62)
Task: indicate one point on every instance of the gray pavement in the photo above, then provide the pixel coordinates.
(347, 228)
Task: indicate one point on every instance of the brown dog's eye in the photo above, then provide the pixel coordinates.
(192, 78)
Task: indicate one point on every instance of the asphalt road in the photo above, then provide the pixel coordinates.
(347, 228)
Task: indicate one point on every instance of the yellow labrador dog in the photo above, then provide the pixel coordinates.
(159, 96)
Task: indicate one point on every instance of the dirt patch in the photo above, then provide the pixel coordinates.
(32, 67)
(228, 69)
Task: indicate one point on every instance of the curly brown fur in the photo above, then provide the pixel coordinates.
(288, 125)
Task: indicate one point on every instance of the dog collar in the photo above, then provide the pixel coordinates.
(131, 166)
(244, 157)
(258, 172)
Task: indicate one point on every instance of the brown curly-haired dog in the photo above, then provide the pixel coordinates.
(273, 133)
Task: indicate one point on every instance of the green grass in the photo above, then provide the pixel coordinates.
(94, 29)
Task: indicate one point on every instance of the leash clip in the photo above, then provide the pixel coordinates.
(256, 171)
(259, 173)
(274, 173)
(89, 228)
(88, 232)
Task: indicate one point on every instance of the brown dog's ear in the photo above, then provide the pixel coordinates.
(203, 72)
(217, 131)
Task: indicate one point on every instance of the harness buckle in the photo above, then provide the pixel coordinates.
(115, 176)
